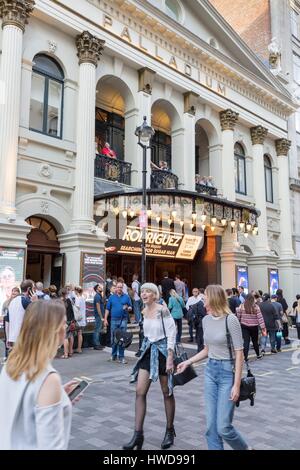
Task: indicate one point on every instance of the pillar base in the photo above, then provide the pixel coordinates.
(14, 234)
(73, 244)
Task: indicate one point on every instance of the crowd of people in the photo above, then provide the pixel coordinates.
(38, 321)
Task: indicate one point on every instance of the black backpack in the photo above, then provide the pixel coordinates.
(195, 314)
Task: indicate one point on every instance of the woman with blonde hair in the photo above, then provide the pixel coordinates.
(37, 411)
(176, 306)
(155, 361)
(221, 386)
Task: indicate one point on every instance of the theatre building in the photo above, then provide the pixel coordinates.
(77, 75)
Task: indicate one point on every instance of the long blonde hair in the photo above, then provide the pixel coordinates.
(38, 341)
(216, 299)
(174, 294)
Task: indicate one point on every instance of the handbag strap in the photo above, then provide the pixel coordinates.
(163, 323)
(228, 338)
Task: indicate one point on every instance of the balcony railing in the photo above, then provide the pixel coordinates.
(203, 188)
(161, 179)
(112, 169)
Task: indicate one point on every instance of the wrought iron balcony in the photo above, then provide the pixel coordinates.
(203, 188)
(163, 179)
(112, 169)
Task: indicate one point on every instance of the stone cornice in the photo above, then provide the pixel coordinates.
(16, 12)
(282, 147)
(89, 48)
(258, 135)
(228, 119)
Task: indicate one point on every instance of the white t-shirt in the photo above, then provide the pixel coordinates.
(192, 301)
(136, 286)
(80, 303)
(16, 316)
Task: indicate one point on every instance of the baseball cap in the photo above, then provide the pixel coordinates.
(274, 296)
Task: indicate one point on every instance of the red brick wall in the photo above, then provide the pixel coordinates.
(250, 19)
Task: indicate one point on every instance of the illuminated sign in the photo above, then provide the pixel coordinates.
(159, 243)
(273, 281)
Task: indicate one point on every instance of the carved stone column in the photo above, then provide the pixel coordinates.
(286, 245)
(89, 50)
(14, 14)
(228, 120)
(258, 135)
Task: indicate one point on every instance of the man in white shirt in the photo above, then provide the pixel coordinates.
(16, 311)
(192, 301)
(136, 287)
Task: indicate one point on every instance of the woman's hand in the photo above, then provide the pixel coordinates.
(69, 386)
(170, 365)
(264, 332)
(182, 366)
(235, 393)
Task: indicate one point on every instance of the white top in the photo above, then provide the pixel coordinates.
(16, 316)
(135, 286)
(192, 301)
(24, 425)
(153, 328)
(80, 303)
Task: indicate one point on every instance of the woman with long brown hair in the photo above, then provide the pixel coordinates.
(251, 318)
(37, 411)
(221, 385)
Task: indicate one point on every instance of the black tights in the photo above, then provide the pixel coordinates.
(142, 389)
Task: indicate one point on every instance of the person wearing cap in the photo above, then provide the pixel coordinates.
(99, 314)
(156, 361)
(272, 322)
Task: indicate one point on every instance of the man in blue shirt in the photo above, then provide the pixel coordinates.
(98, 313)
(118, 305)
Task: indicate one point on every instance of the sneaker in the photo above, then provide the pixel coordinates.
(278, 350)
(123, 361)
(98, 348)
(263, 352)
(260, 356)
(138, 354)
(112, 359)
(273, 351)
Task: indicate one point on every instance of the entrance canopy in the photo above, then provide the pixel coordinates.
(175, 221)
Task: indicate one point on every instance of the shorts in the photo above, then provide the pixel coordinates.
(145, 362)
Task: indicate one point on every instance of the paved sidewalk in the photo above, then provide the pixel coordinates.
(104, 418)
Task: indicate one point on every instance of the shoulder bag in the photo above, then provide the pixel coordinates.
(180, 355)
(248, 384)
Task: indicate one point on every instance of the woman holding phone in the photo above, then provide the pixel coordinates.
(221, 386)
(37, 412)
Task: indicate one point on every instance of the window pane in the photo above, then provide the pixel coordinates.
(242, 182)
(47, 65)
(37, 102)
(172, 10)
(269, 192)
(54, 108)
(236, 174)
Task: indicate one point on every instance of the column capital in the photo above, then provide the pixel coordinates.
(146, 79)
(282, 147)
(228, 119)
(258, 135)
(190, 102)
(89, 48)
(16, 12)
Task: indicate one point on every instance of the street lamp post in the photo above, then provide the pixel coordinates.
(144, 134)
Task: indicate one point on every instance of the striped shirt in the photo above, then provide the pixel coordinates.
(254, 318)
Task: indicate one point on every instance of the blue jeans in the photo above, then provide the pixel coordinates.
(219, 408)
(115, 349)
(263, 340)
(137, 310)
(98, 326)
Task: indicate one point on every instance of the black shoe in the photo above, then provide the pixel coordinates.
(138, 354)
(169, 438)
(287, 341)
(273, 351)
(260, 356)
(136, 441)
(263, 352)
(98, 348)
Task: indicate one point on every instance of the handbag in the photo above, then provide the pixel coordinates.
(248, 384)
(122, 338)
(77, 313)
(180, 355)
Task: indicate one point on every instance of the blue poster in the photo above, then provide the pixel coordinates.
(242, 278)
(274, 281)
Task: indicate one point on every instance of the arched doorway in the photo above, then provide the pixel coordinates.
(44, 261)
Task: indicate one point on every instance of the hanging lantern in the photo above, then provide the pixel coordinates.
(223, 222)
(249, 227)
(232, 223)
(203, 217)
(214, 220)
(124, 213)
(242, 225)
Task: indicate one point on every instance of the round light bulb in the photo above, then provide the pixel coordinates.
(223, 222)
(203, 217)
(214, 220)
(124, 213)
(232, 223)
(249, 227)
(246, 235)
(242, 225)
(157, 219)
(203, 227)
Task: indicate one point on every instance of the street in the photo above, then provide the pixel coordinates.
(104, 418)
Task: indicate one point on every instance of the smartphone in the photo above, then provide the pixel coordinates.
(83, 384)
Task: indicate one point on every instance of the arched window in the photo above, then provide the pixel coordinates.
(240, 169)
(268, 179)
(46, 102)
(172, 9)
